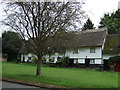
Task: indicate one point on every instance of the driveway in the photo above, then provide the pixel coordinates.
(14, 85)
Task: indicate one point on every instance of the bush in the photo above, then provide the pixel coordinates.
(63, 62)
(34, 59)
(114, 59)
(78, 65)
(59, 63)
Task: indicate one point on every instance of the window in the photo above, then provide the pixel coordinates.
(92, 61)
(76, 61)
(29, 58)
(92, 50)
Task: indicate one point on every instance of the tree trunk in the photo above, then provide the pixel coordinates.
(39, 65)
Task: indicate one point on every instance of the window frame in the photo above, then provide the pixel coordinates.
(92, 61)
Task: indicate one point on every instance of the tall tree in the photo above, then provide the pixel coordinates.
(61, 41)
(11, 44)
(88, 25)
(38, 21)
(112, 22)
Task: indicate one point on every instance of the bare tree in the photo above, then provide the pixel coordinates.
(38, 21)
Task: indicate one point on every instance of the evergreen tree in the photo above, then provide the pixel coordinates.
(88, 25)
(11, 44)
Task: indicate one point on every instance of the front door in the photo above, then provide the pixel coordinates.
(106, 65)
(87, 62)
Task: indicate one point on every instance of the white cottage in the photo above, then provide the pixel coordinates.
(90, 52)
(91, 43)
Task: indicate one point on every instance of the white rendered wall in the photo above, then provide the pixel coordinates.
(98, 61)
(79, 57)
(27, 56)
(82, 61)
(85, 53)
(55, 56)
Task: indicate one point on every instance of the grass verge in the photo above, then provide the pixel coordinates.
(68, 77)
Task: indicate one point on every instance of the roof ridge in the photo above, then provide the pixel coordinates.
(92, 31)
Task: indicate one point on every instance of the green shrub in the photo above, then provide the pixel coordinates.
(43, 60)
(114, 59)
(78, 65)
(34, 59)
(63, 62)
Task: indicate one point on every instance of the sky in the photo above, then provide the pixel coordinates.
(95, 10)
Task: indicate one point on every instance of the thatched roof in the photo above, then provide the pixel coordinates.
(91, 37)
(112, 44)
(88, 38)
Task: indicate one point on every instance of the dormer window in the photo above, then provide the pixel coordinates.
(92, 50)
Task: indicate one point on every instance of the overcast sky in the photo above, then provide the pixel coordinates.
(94, 8)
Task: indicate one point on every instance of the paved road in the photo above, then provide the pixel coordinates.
(14, 85)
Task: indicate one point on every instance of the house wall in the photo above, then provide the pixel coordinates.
(82, 61)
(85, 53)
(26, 57)
(79, 57)
(54, 57)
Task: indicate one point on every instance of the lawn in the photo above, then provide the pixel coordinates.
(68, 77)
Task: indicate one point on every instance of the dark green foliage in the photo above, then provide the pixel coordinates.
(11, 44)
(112, 22)
(63, 62)
(112, 44)
(88, 25)
(114, 59)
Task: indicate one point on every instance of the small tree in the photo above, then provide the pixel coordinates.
(38, 21)
(88, 25)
